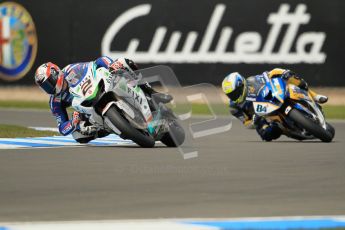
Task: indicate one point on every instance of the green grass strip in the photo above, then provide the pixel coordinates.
(334, 111)
(11, 131)
(331, 111)
(24, 104)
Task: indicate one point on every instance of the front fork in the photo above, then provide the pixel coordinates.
(160, 122)
(316, 114)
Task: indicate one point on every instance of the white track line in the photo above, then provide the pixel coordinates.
(33, 141)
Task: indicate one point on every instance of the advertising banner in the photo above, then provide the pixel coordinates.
(202, 41)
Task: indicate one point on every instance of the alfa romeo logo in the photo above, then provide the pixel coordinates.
(18, 41)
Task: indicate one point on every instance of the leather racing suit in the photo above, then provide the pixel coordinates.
(245, 110)
(59, 103)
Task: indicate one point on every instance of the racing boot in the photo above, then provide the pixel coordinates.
(158, 97)
(269, 131)
(102, 133)
(84, 138)
(321, 99)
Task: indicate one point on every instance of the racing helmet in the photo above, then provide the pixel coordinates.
(50, 78)
(234, 86)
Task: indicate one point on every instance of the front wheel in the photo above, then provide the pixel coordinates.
(128, 131)
(310, 126)
(330, 129)
(176, 135)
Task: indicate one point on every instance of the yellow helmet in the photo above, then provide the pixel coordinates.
(235, 87)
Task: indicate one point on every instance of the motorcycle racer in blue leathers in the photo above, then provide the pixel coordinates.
(237, 88)
(56, 82)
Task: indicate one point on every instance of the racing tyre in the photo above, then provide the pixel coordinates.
(128, 131)
(176, 135)
(310, 126)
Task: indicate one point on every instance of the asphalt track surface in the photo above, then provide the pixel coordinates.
(235, 175)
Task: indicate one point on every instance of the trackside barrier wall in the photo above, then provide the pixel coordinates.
(202, 41)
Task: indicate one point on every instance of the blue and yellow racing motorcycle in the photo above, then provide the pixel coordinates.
(293, 109)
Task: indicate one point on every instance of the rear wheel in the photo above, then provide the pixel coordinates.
(176, 135)
(310, 126)
(128, 131)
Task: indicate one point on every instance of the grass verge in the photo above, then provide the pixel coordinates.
(11, 131)
(334, 111)
(331, 111)
(24, 104)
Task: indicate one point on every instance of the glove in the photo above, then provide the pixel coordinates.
(287, 74)
(88, 130)
(303, 84)
(117, 67)
(300, 82)
(124, 63)
(258, 120)
(123, 67)
(75, 118)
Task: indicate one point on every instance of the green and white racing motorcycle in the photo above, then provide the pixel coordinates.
(115, 103)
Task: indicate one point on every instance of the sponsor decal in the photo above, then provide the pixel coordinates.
(251, 89)
(261, 108)
(67, 128)
(57, 99)
(249, 47)
(287, 110)
(18, 41)
(265, 92)
(86, 85)
(40, 74)
(117, 65)
(72, 78)
(135, 95)
(251, 98)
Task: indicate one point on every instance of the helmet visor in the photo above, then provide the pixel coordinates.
(49, 84)
(234, 95)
